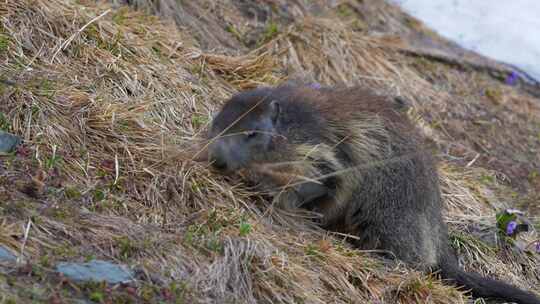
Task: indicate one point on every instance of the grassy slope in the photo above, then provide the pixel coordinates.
(111, 108)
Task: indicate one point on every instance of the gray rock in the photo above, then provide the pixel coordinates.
(6, 255)
(95, 270)
(8, 142)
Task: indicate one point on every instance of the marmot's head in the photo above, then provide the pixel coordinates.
(244, 130)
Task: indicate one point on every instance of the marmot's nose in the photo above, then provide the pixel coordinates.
(219, 163)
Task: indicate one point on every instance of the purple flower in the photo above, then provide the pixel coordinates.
(315, 85)
(511, 78)
(511, 227)
(538, 247)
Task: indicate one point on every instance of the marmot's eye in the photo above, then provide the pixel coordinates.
(251, 134)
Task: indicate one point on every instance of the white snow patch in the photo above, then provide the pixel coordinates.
(508, 31)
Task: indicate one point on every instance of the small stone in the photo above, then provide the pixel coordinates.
(8, 142)
(6, 255)
(95, 270)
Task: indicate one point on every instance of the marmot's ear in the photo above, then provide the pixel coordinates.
(274, 110)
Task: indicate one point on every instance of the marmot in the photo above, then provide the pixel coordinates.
(355, 158)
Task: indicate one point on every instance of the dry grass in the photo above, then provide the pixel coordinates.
(111, 103)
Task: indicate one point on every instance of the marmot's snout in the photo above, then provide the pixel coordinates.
(219, 163)
(217, 160)
(225, 159)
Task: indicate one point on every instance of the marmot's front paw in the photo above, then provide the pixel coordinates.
(261, 182)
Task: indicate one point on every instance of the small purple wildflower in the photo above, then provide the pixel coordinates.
(315, 85)
(537, 247)
(511, 227)
(511, 78)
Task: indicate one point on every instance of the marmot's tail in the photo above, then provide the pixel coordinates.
(486, 288)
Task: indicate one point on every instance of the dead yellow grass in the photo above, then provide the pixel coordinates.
(111, 102)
